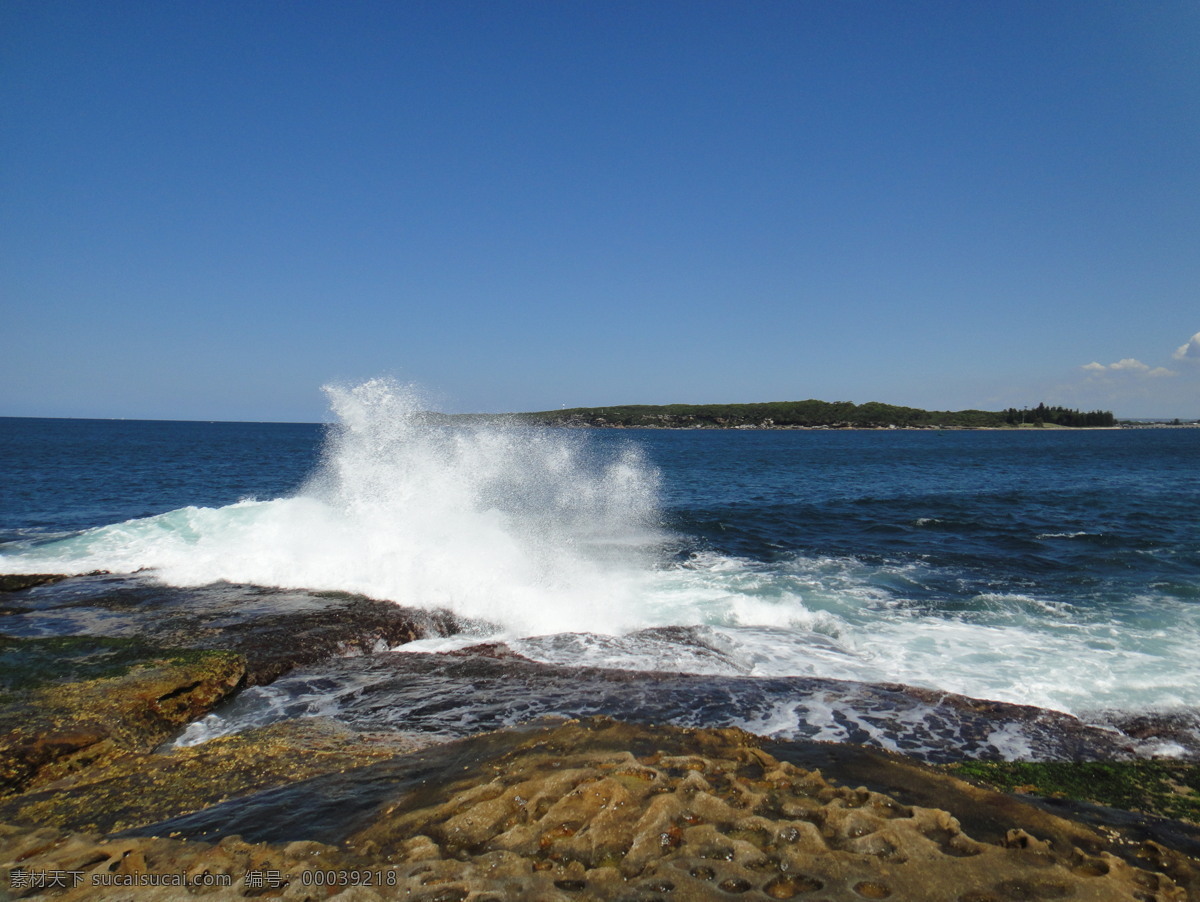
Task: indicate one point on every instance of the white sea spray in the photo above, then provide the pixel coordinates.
(524, 528)
(555, 538)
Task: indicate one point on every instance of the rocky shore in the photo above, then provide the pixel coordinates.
(98, 673)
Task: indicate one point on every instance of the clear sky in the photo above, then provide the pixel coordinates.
(208, 210)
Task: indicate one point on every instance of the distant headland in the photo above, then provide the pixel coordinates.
(812, 414)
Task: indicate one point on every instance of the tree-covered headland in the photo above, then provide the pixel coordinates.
(1058, 416)
(810, 414)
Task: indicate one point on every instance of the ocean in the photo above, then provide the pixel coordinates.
(794, 583)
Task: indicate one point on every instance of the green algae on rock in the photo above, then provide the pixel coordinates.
(1158, 787)
(133, 697)
(142, 788)
(28, 663)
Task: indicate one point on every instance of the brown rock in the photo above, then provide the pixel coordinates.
(49, 731)
(136, 789)
(601, 810)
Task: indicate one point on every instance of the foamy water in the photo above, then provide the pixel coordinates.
(560, 546)
(514, 526)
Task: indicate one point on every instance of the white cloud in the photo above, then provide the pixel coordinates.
(1189, 350)
(1129, 367)
(1130, 388)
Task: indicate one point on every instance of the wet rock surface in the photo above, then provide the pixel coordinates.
(274, 630)
(16, 582)
(383, 802)
(488, 687)
(139, 788)
(603, 810)
(50, 728)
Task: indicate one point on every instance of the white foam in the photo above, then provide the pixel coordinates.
(1011, 743)
(779, 721)
(538, 533)
(516, 526)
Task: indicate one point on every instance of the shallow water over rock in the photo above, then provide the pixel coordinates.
(386, 784)
(486, 687)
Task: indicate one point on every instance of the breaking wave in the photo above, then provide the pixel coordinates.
(529, 529)
(555, 541)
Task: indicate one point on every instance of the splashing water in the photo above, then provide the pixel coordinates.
(542, 533)
(521, 527)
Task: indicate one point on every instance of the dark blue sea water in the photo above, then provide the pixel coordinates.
(1053, 568)
(69, 475)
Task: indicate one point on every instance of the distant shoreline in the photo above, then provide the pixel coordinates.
(572, 420)
(808, 414)
(1026, 428)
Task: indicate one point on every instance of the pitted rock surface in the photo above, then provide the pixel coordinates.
(734, 824)
(596, 810)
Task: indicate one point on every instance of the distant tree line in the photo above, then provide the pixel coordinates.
(1058, 416)
(811, 413)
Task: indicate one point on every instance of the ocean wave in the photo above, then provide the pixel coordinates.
(528, 528)
(559, 543)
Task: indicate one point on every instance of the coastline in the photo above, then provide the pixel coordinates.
(810, 413)
(118, 793)
(557, 809)
(837, 427)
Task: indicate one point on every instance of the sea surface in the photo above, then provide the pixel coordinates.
(1051, 568)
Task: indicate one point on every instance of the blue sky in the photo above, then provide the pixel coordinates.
(208, 210)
